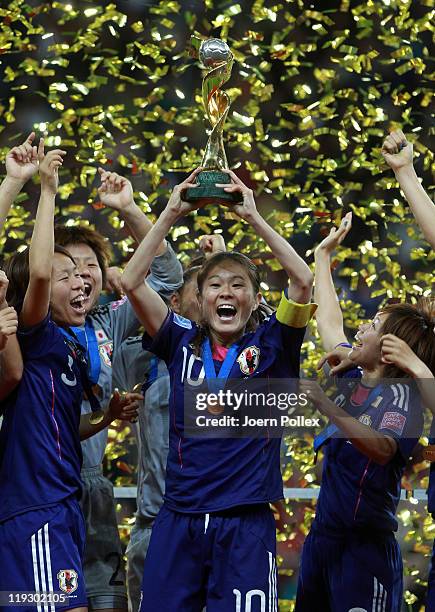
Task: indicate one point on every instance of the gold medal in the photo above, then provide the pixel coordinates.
(96, 417)
(429, 453)
(215, 409)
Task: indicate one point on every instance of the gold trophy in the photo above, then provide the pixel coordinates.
(217, 59)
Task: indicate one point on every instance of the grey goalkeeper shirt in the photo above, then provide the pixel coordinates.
(113, 323)
(131, 366)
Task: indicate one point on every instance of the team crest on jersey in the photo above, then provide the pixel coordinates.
(249, 359)
(106, 351)
(68, 580)
(101, 335)
(365, 419)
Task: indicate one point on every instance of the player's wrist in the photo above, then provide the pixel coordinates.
(406, 172)
(14, 182)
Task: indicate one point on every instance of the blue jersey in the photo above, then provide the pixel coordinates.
(431, 488)
(40, 453)
(209, 475)
(356, 492)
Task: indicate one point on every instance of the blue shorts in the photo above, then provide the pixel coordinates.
(350, 573)
(41, 552)
(225, 561)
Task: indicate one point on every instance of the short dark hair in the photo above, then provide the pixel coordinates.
(414, 324)
(80, 234)
(16, 268)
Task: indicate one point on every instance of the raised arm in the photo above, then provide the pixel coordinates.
(395, 350)
(398, 154)
(329, 316)
(117, 192)
(41, 250)
(21, 165)
(300, 276)
(11, 363)
(150, 309)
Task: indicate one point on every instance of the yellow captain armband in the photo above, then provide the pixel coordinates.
(293, 314)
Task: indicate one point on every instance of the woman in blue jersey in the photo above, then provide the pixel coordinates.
(41, 526)
(213, 542)
(350, 559)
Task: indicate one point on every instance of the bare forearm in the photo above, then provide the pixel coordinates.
(139, 225)
(426, 385)
(377, 447)
(87, 429)
(297, 270)
(9, 189)
(328, 316)
(420, 203)
(11, 367)
(139, 265)
(42, 243)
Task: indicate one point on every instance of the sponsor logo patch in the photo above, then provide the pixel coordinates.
(249, 359)
(394, 421)
(68, 580)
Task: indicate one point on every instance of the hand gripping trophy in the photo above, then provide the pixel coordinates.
(217, 59)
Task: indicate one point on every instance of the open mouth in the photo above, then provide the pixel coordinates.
(226, 312)
(77, 304)
(88, 289)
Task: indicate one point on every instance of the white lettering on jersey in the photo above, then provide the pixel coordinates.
(187, 376)
(68, 381)
(340, 400)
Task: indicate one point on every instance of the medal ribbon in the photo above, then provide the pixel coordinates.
(209, 368)
(88, 340)
(331, 429)
(80, 350)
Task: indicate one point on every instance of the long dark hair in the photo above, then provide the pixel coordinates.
(17, 270)
(414, 324)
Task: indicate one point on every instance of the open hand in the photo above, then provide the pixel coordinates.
(338, 360)
(115, 191)
(247, 209)
(49, 164)
(336, 236)
(176, 205)
(396, 351)
(22, 161)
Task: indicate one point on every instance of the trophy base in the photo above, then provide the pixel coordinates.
(208, 193)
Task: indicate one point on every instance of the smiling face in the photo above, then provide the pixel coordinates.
(67, 292)
(227, 301)
(366, 351)
(90, 271)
